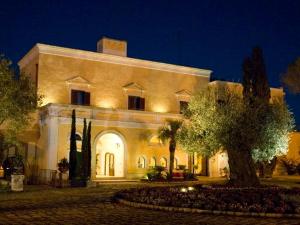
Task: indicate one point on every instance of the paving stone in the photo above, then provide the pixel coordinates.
(95, 206)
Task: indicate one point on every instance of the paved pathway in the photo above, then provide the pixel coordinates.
(96, 206)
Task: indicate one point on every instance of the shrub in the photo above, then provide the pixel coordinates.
(181, 167)
(157, 173)
(290, 165)
(188, 175)
(270, 199)
(63, 165)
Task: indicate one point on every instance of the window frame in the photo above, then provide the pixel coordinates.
(136, 103)
(86, 98)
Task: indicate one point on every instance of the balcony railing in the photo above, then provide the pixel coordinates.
(96, 113)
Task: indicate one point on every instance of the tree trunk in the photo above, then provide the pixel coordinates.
(171, 166)
(242, 169)
(266, 168)
(172, 148)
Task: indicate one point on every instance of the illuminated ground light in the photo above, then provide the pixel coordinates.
(183, 190)
(191, 188)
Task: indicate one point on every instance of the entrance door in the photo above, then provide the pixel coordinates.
(109, 164)
(110, 152)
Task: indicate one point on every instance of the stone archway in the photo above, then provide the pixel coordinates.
(110, 155)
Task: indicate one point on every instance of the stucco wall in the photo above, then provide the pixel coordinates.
(107, 81)
(136, 145)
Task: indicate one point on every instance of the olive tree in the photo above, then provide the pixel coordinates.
(18, 100)
(218, 119)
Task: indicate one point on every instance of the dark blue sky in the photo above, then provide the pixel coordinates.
(207, 34)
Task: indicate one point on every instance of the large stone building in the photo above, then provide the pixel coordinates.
(126, 99)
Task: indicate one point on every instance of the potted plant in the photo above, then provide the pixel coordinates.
(63, 168)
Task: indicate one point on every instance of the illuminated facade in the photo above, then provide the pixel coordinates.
(126, 99)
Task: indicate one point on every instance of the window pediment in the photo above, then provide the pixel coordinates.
(134, 89)
(183, 92)
(79, 81)
(183, 95)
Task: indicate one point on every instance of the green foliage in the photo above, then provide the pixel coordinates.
(291, 77)
(220, 119)
(170, 132)
(157, 173)
(273, 131)
(255, 81)
(89, 149)
(73, 148)
(290, 165)
(86, 150)
(18, 100)
(63, 165)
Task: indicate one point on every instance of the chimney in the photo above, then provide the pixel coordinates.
(112, 47)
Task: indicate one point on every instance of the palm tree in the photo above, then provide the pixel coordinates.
(169, 132)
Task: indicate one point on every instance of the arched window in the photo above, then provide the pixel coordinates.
(175, 163)
(154, 141)
(141, 162)
(152, 162)
(163, 162)
(78, 137)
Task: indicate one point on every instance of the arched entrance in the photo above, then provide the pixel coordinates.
(110, 155)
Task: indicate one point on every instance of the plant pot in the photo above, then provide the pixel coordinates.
(17, 182)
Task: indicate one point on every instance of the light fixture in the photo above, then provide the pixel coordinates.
(183, 190)
(191, 188)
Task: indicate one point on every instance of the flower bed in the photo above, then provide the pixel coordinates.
(259, 200)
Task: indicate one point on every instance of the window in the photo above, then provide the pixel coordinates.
(175, 163)
(152, 162)
(80, 97)
(163, 162)
(78, 137)
(154, 141)
(136, 103)
(183, 106)
(141, 162)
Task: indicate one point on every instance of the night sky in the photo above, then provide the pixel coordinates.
(216, 35)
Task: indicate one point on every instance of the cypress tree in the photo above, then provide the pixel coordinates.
(73, 148)
(256, 91)
(261, 88)
(89, 150)
(247, 80)
(255, 81)
(84, 151)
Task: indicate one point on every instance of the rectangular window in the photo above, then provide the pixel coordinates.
(80, 97)
(136, 103)
(183, 106)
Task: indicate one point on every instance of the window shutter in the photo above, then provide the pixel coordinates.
(142, 105)
(73, 97)
(130, 102)
(87, 98)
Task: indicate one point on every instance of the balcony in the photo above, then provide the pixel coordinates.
(64, 112)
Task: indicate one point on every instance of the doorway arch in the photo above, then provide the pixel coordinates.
(110, 155)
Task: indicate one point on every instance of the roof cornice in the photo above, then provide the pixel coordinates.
(100, 57)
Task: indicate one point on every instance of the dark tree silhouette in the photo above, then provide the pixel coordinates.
(89, 150)
(84, 152)
(73, 148)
